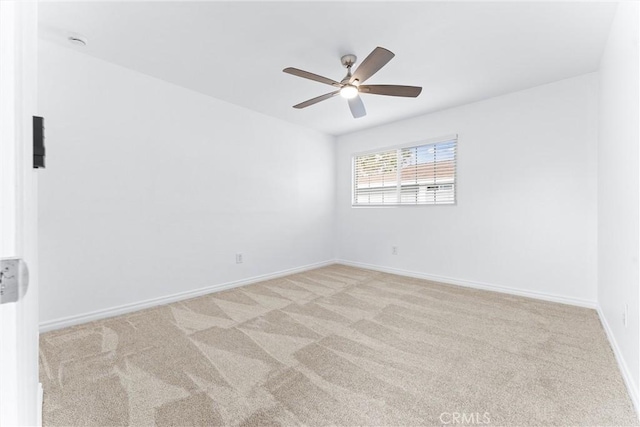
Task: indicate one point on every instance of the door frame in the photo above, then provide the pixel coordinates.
(20, 391)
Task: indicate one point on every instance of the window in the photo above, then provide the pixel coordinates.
(419, 175)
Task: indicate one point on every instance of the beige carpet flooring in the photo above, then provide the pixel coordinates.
(337, 346)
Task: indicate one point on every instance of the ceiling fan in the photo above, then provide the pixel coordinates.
(351, 86)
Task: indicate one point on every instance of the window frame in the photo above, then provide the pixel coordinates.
(428, 141)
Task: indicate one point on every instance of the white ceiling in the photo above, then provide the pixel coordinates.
(459, 52)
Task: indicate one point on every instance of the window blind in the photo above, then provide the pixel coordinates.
(418, 175)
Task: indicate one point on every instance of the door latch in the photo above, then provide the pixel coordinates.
(14, 279)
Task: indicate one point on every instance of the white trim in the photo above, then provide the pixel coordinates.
(622, 364)
(418, 143)
(476, 285)
(127, 308)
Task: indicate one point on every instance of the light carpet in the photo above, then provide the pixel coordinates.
(337, 346)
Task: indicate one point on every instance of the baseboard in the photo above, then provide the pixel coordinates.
(128, 308)
(624, 368)
(473, 284)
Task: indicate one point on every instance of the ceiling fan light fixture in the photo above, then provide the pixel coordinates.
(349, 92)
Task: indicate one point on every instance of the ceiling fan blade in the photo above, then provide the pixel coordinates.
(357, 107)
(310, 76)
(316, 99)
(372, 63)
(391, 90)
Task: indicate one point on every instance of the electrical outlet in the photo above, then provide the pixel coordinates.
(238, 258)
(625, 315)
(394, 250)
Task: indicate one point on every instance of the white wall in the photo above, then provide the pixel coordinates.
(525, 216)
(151, 189)
(619, 189)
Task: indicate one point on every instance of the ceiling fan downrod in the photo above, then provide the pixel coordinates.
(347, 62)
